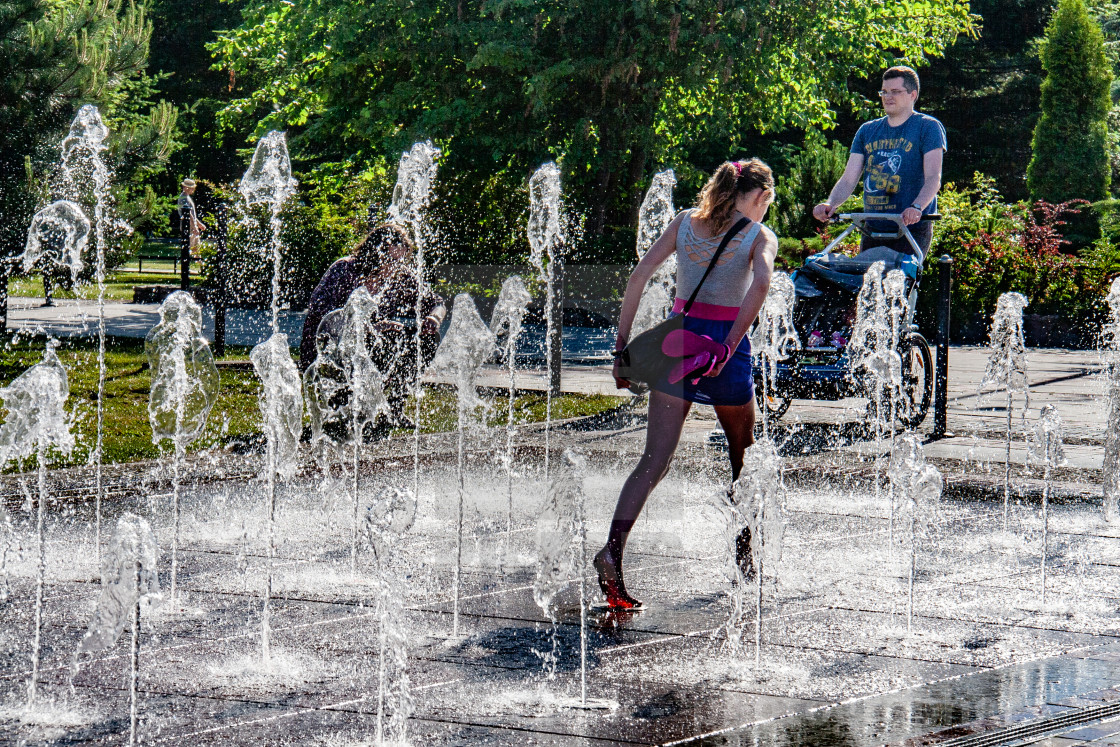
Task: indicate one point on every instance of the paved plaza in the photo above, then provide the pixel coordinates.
(984, 659)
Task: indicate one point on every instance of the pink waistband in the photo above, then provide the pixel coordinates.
(712, 312)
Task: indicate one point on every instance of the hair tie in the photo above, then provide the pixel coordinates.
(738, 169)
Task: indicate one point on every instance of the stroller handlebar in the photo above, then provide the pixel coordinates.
(858, 221)
(896, 218)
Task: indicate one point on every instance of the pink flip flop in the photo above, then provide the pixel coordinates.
(698, 364)
(698, 353)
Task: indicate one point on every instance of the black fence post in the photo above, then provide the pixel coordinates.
(5, 275)
(219, 283)
(557, 311)
(185, 265)
(941, 388)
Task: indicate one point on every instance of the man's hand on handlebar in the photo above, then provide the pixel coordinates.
(823, 212)
(911, 215)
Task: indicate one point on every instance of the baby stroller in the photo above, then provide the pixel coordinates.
(827, 286)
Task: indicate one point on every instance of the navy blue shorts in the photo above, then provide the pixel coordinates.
(735, 384)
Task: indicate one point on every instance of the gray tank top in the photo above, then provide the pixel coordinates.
(728, 283)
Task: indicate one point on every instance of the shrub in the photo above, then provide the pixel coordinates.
(978, 230)
(807, 180)
(1070, 147)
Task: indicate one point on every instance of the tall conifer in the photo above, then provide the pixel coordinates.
(1070, 147)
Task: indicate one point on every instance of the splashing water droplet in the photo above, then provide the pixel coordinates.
(556, 534)
(1007, 365)
(184, 377)
(58, 234)
(509, 311)
(268, 181)
(654, 216)
(87, 132)
(413, 189)
(468, 344)
(343, 387)
(774, 337)
(545, 232)
(916, 487)
(281, 400)
(132, 556)
(1110, 343)
(36, 415)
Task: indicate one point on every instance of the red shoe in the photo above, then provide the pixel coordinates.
(611, 583)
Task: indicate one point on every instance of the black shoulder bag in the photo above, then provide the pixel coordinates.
(642, 360)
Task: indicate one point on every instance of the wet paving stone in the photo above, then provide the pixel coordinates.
(838, 665)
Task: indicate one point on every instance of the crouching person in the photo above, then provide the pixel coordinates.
(384, 264)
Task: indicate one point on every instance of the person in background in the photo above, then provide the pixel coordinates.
(382, 262)
(899, 157)
(190, 228)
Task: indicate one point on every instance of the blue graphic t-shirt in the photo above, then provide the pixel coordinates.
(893, 172)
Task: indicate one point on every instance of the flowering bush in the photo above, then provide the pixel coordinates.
(999, 247)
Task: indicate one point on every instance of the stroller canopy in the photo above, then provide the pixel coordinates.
(827, 272)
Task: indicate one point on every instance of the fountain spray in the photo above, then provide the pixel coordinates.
(128, 578)
(875, 361)
(562, 552)
(268, 181)
(505, 323)
(281, 405)
(753, 501)
(81, 158)
(774, 337)
(1045, 448)
(344, 388)
(545, 237)
(894, 298)
(411, 195)
(388, 518)
(1110, 353)
(468, 344)
(184, 388)
(37, 423)
(917, 486)
(1007, 368)
(654, 216)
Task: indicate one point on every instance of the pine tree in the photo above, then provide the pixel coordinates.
(57, 55)
(1070, 148)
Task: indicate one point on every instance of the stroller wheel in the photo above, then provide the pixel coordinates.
(917, 380)
(770, 404)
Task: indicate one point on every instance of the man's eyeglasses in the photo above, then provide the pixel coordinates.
(884, 94)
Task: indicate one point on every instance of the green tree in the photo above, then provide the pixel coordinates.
(179, 58)
(57, 55)
(807, 175)
(985, 90)
(1070, 148)
(613, 89)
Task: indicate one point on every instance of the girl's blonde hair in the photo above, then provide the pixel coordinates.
(716, 201)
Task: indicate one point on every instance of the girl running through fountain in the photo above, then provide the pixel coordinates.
(726, 306)
(382, 263)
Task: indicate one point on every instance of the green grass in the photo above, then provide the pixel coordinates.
(128, 435)
(118, 286)
(439, 410)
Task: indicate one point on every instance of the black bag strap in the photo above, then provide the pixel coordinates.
(739, 226)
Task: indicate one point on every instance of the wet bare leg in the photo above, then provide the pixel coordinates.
(738, 424)
(663, 433)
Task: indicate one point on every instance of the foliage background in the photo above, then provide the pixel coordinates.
(504, 85)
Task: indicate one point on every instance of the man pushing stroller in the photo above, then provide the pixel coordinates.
(899, 157)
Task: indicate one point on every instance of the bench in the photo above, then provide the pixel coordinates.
(159, 248)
